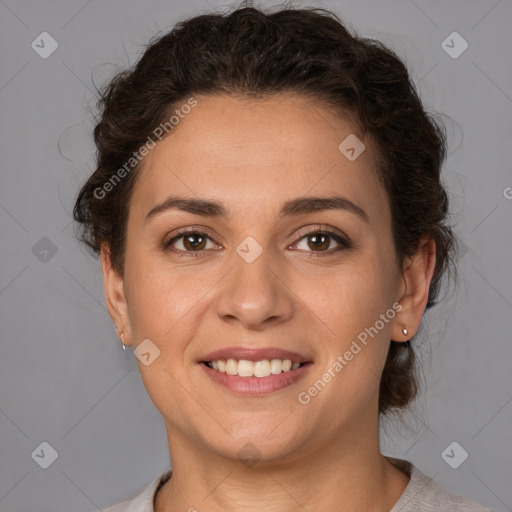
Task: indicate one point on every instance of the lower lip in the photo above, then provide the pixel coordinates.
(256, 385)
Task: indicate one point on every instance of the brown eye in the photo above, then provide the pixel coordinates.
(194, 242)
(320, 242)
(189, 241)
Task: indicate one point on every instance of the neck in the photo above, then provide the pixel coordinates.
(347, 473)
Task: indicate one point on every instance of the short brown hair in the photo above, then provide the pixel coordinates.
(253, 54)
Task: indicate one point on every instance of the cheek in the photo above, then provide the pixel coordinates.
(165, 300)
(357, 290)
(358, 337)
(351, 307)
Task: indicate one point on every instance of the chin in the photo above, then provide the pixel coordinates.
(253, 448)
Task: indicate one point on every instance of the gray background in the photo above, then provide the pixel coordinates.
(63, 376)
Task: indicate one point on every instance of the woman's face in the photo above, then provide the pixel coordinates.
(258, 277)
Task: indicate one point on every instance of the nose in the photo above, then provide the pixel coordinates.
(255, 294)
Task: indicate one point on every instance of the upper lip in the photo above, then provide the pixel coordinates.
(254, 354)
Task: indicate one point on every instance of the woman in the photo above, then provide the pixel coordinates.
(271, 224)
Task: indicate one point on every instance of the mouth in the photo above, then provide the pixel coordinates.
(259, 369)
(255, 371)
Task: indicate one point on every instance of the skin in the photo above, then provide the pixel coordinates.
(252, 156)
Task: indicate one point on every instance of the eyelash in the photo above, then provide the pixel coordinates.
(343, 241)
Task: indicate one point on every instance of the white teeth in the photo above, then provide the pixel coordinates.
(245, 368)
(287, 365)
(276, 366)
(231, 367)
(262, 369)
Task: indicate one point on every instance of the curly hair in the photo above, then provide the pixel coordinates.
(252, 53)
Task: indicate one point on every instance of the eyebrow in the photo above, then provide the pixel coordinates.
(298, 206)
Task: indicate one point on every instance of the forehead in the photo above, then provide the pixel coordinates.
(251, 152)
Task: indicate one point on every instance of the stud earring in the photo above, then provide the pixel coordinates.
(122, 338)
(405, 331)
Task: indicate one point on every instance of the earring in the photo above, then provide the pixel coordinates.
(122, 338)
(405, 331)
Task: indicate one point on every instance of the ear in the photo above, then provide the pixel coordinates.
(115, 295)
(417, 276)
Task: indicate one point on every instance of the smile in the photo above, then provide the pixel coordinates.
(244, 377)
(260, 369)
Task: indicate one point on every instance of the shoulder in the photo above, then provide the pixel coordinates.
(143, 502)
(120, 507)
(424, 495)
